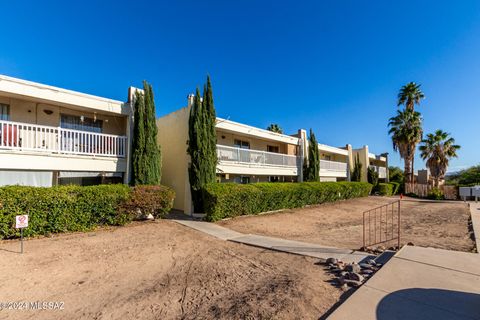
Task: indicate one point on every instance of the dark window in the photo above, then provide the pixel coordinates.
(245, 180)
(241, 144)
(274, 149)
(4, 112)
(81, 123)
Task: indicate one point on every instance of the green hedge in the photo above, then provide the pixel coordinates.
(385, 189)
(229, 199)
(65, 208)
(396, 187)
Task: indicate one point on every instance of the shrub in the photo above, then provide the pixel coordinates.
(372, 176)
(385, 189)
(157, 200)
(436, 194)
(396, 187)
(230, 199)
(70, 208)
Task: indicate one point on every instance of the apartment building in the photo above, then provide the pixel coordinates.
(247, 154)
(51, 136)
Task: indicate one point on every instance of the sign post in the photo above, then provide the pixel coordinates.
(20, 223)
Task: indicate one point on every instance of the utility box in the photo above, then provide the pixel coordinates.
(465, 192)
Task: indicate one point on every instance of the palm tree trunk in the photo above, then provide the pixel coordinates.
(407, 171)
(412, 179)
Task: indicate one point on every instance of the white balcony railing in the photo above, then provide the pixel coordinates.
(382, 171)
(248, 156)
(333, 166)
(32, 137)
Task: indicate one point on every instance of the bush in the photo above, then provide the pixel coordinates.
(436, 194)
(157, 200)
(396, 187)
(229, 199)
(68, 208)
(385, 189)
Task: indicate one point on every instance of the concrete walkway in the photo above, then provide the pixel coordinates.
(475, 214)
(277, 244)
(419, 283)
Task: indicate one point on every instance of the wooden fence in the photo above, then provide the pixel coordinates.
(422, 190)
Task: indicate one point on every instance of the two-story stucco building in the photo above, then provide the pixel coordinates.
(51, 136)
(247, 154)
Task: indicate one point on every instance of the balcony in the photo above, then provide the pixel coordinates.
(55, 140)
(246, 161)
(333, 168)
(382, 171)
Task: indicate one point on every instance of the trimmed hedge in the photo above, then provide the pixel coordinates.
(224, 200)
(385, 189)
(157, 200)
(65, 208)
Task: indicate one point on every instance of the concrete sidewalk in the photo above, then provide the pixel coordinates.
(475, 214)
(277, 244)
(419, 283)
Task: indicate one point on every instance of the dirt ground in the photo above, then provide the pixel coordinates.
(439, 225)
(160, 270)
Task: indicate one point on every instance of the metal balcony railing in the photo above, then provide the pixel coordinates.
(257, 157)
(32, 137)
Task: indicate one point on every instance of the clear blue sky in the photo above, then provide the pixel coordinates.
(335, 66)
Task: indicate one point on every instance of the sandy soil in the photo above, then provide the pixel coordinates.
(160, 270)
(439, 225)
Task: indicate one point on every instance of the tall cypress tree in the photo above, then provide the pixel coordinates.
(313, 168)
(146, 154)
(202, 145)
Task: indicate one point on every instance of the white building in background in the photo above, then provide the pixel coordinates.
(51, 136)
(248, 154)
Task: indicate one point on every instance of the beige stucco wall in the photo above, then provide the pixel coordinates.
(364, 160)
(33, 113)
(172, 137)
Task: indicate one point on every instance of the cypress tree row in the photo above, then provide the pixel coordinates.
(146, 156)
(202, 145)
(313, 169)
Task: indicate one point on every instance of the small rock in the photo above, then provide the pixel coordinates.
(331, 261)
(344, 287)
(365, 266)
(353, 283)
(337, 270)
(149, 217)
(355, 276)
(380, 249)
(410, 244)
(352, 268)
(372, 262)
(341, 280)
(367, 271)
(343, 274)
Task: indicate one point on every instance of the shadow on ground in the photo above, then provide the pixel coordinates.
(428, 304)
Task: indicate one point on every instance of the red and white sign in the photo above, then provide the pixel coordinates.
(21, 221)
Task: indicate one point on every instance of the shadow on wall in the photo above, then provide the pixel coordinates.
(426, 304)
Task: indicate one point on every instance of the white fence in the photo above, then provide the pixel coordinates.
(232, 154)
(30, 137)
(333, 166)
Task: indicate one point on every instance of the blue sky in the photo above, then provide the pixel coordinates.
(334, 66)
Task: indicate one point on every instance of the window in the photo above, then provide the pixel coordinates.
(327, 157)
(76, 123)
(245, 180)
(241, 144)
(274, 149)
(4, 111)
(273, 179)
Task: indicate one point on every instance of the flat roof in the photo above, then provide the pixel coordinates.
(15, 87)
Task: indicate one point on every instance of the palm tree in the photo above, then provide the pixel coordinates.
(438, 148)
(410, 95)
(406, 131)
(275, 128)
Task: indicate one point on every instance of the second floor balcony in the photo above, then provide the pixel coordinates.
(229, 154)
(382, 171)
(55, 140)
(333, 168)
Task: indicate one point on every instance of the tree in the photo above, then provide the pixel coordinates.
(275, 128)
(357, 170)
(467, 177)
(406, 131)
(437, 149)
(202, 145)
(410, 95)
(395, 174)
(312, 169)
(372, 176)
(146, 155)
